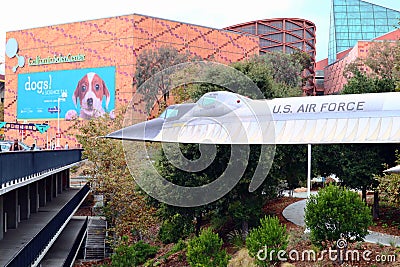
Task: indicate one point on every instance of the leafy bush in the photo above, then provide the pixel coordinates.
(132, 255)
(270, 235)
(336, 212)
(206, 250)
(174, 229)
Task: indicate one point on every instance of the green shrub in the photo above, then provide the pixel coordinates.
(132, 255)
(270, 235)
(334, 213)
(181, 245)
(206, 250)
(174, 229)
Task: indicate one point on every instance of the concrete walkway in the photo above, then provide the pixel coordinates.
(16, 239)
(295, 213)
(59, 251)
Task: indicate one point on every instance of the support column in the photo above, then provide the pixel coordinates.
(59, 182)
(24, 202)
(1, 218)
(308, 170)
(64, 179)
(42, 192)
(54, 177)
(49, 188)
(34, 196)
(68, 182)
(11, 209)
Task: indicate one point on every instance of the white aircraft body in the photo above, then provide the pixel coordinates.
(228, 118)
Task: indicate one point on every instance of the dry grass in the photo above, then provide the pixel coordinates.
(242, 258)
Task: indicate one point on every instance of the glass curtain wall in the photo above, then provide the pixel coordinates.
(354, 20)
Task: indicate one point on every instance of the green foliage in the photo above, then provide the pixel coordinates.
(270, 235)
(181, 245)
(246, 209)
(378, 72)
(151, 62)
(294, 156)
(286, 69)
(275, 74)
(175, 228)
(361, 83)
(124, 207)
(242, 205)
(354, 164)
(206, 250)
(389, 184)
(337, 212)
(132, 255)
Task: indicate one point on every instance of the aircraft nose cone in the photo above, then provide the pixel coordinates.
(142, 131)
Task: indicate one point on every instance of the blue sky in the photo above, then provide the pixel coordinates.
(25, 14)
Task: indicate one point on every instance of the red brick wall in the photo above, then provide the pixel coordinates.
(334, 79)
(115, 41)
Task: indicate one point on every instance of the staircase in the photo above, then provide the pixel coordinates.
(96, 238)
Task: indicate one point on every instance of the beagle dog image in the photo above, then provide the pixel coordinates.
(90, 91)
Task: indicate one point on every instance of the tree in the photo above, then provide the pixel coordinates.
(125, 208)
(132, 255)
(285, 68)
(356, 164)
(206, 250)
(397, 66)
(242, 206)
(361, 83)
(389, 184)
(269, 237)
(381, 58)
(290, 165)
(151, 62)
(335, 213)
(379, 68)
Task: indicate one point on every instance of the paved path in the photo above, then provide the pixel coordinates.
(295, 213)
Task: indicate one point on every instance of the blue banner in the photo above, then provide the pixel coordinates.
(79, 93)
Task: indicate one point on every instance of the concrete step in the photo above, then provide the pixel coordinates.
(95, 240)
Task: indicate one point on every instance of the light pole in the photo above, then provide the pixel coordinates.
(63, 97)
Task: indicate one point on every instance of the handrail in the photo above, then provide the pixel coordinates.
(75, 247)
(19, 164)
(32, 250)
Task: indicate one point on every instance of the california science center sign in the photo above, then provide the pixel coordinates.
(56, 59)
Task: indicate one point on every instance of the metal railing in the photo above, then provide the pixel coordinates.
(20, 164)
(77, 243)
(32, 250)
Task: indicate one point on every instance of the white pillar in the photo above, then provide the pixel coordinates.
(308, 170)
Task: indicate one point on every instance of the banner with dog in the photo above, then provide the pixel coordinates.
(78, 93)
